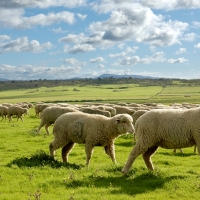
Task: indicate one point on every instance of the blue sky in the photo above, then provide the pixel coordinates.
(59, 39)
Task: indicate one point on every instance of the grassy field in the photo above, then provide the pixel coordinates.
(28, 173)
(105, 93)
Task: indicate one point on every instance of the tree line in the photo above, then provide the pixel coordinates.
(31, 84)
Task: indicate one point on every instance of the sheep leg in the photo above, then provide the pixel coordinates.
(89, 151)
(65, 151)
(136, 151)
(39, 129)
(110, 151)
(195, 148)
(147, 157)
(46, 128)
(56, 144)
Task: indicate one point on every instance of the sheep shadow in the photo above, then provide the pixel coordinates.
(41, 159)
(130, 185)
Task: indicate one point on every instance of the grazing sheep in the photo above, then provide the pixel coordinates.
(50, 114)
(3, 111)
(6, 104)
(18, 111)
(90, 129)
(167, 128)
(123, 109)
(40, 107)
(95, 111)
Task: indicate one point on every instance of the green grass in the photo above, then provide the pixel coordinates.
(28, 172)
(105, 93)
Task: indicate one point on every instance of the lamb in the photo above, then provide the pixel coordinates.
(50, 114)
(18, 111)
(167, 128)
(3, 111)
(90, 129)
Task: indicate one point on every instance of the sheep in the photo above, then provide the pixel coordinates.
(90, 129)
(6, 104)
(95, 111)
(40, 107)
(123, 109)
(167, 128)
(50, 114)
(3, 111)
(16, 110)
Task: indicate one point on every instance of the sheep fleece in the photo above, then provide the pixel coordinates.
(167, 128)
(91, 129)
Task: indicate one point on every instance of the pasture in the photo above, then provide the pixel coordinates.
(27, 172)
(177, 93)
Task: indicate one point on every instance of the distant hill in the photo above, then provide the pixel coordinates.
(3, 79)
(125, 76)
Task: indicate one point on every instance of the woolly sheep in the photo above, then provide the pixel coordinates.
(18, 111)
(39, 108)
(95, 111)
(90, 129)
(167, 128)
(6, 104)
(50, 114)
(123, 109)
(3, 111)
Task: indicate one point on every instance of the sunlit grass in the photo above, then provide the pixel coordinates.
(27, 171)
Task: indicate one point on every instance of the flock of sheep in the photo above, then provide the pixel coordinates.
(154, 125)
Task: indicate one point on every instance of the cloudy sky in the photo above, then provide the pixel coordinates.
(61, 39)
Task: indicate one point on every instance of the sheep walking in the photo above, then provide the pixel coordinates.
(50, 114)
(18, 111)
(90, 129)
(167, 128)
(3, 112)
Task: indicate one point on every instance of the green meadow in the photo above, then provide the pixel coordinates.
(177, 93)
(27, 172)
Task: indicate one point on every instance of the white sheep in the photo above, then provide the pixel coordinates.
(167, 128)
(3, 111)
(18, 111)
(95, 111)
(91, 130)
(124, 109)
(50, 114)
(39, 107)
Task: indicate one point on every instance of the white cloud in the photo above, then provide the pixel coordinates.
(73, 62)
(196, 24)
(197, 46)
(127, 51)
(23, 45)
(15, 19)
(134, 22)
(134, 60)
(31, 72)
(13, 4)
(58, 30)
(100, 66)
(4, 37)
(95, 60)
(189, 37)
(79, 48)
(178, 60)
(172, 4)
(181, 50)
(82, 17)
